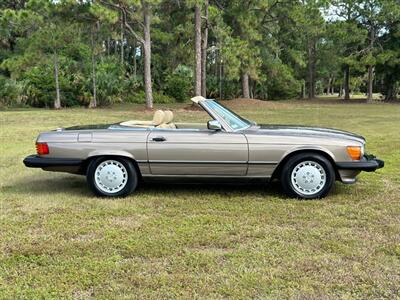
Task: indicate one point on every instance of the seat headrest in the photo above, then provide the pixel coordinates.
(169, 116)
(158, 117)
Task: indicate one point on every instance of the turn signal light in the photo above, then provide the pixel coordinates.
(42, 148)
(354, 152)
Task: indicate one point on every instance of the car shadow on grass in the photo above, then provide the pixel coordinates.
(75, 185)
(206, 188)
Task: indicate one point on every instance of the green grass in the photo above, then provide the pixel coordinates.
(177, 241)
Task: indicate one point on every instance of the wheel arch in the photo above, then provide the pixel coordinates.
(87, 161)
(288, 155)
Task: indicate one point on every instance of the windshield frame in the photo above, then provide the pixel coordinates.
(217, 116)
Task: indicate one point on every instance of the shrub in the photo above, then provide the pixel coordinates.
(140, 98)
(12, 93)
(160, 98)
(281, 83)
(179, 84)
(41, 90)
(111, 84)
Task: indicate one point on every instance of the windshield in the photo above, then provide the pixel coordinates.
(234, 121)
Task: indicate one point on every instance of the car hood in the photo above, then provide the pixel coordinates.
(298, 130)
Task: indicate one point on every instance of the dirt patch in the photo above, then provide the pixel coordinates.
(192, 107)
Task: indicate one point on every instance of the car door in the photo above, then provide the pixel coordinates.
(197, 152)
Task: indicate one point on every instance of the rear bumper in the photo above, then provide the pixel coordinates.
(34, 161)
(368, 163)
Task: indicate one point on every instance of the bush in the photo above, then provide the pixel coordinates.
(12, 93)
(179, 84)
(160, 98)
(41, 90)
(281, 83)
(140, 98)
(111, 84)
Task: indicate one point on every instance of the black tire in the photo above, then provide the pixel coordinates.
(293, 162)
(131, 174)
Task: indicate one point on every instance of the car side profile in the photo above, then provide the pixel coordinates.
(116, 157)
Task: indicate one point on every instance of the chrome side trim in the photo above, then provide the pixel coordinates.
(228, 162)
(204, 176)
(195, 162)
(255, 162)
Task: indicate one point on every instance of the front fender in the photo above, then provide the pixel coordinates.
(308, 148)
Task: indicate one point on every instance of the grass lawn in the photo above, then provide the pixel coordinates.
(178, 241)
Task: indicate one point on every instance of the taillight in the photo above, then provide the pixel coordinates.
(42, 148)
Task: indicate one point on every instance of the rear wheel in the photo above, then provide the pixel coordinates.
(112, 177)
(307, 176)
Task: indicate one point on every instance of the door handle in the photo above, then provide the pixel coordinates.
(159, 139)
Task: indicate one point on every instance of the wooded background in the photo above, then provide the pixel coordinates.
(90, 53)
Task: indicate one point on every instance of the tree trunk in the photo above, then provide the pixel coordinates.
(245, 85)
(204, 55)
(221, 76)
(147, 55)
(370, 83)
(389, 88)
(108, 46)
(332, 86)
(371, 68)
(253, 86)
(328, 88)
(311, 69)
(134, 59)
(197, 27)
(347, 82)
(93, 102)
(57, 101)
(122, 38)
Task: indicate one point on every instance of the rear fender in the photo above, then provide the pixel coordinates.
(111, 153)
(141, 166)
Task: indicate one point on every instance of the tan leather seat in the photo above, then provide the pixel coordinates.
(158, 118)
(167, 123)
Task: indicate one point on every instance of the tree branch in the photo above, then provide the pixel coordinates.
(124, 19)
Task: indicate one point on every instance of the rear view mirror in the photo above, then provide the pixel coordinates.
(214, 125)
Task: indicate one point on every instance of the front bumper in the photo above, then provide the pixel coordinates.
(35, 161)
(368, 163)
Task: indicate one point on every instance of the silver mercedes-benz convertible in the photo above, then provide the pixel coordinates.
(116, 157)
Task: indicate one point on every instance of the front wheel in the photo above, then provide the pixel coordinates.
(112, 177)
(307, 176)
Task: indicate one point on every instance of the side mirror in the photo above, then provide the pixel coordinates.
(214, 125)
